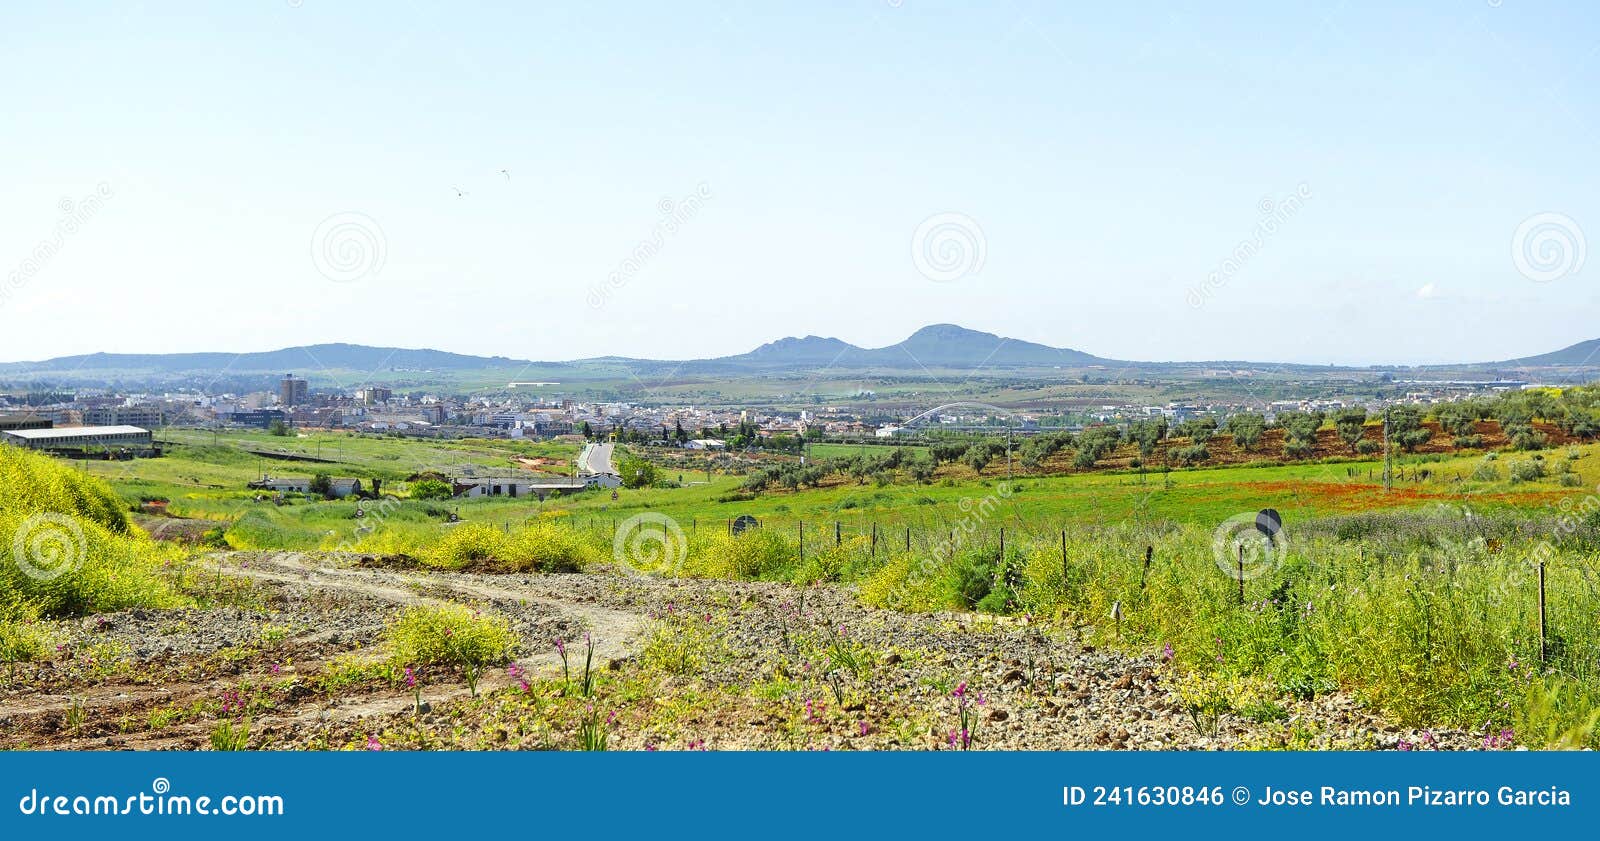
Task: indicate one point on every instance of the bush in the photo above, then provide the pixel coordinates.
(755, 554)
(22, 640)
(466, 544)
(431, 489)
(450, 635)
(1367, 448)
(547, 547)
(69, 547)
(1527, 471)
(1486, 472)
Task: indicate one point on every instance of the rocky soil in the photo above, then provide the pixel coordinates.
(772, 667)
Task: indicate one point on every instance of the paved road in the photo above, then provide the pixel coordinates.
(596, 458)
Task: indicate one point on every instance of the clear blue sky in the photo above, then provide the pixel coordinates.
(1112, 159)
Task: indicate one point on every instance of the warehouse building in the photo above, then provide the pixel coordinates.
(85, 441)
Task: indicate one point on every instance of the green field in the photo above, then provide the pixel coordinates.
(204, 477)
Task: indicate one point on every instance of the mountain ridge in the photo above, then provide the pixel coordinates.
(935, 346)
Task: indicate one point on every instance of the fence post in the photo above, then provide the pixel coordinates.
(802, 541)
(908, 538)
(1544, 645)
(874, 540)
(1149, 552)
(1241, 573)
(836, 536)
(1064, 576)
(1002, 545)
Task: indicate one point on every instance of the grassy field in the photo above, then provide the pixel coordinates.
(1421, 599)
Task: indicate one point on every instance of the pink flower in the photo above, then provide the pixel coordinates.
(373, 743)
(411, 678)
(961, 689)
(865, 727)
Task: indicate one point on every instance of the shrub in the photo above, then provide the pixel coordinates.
(1527, 471)
(450, 635)
(547, 547)
(21, 641)
(69, 546)
(755, 554)
(1486, 472)
(431, 489)
(1298, 448)
(468, 543)
(1367, 448)
(1194, 454)
(31, 483)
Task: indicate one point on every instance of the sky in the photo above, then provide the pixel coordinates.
(1324, 181)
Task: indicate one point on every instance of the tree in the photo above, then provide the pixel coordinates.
(1147, 434)
(636, 473)
(1351, 424)
(1247, 429)
(430, 489)
(321, 484)
(921, 469)
(976, 457)
(278, 428)
(1198, 430)
(588, 431)
(1459, 419)
(1405, 428)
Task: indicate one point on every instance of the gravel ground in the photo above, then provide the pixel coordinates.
(765, 683)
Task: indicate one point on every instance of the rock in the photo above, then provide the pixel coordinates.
(892, 658)
(998, 715)
(1013, 675)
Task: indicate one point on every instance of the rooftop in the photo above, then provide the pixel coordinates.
(75, 431)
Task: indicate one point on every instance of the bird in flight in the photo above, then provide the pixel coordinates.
(506, 173)
(459, 192)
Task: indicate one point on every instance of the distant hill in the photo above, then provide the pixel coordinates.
(1582, 353)
(345, 357)
(934, 346)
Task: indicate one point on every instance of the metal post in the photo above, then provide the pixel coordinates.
(1064, 556)
(1544, 644)
(1241, 573)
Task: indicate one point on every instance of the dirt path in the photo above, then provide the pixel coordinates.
(766, 666)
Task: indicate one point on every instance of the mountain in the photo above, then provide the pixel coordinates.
(934, 346)
(1582, 353)
(937, 347)
(954, 346)
(337, 357)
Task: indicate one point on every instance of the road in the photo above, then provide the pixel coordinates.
(596, 458)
